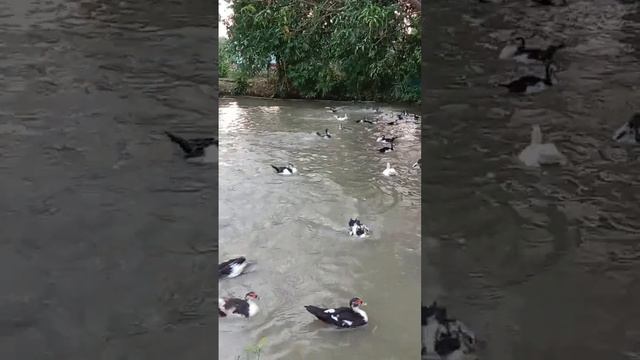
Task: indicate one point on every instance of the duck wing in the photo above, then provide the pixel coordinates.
(235, 306)
(342, 317)
(226, 268)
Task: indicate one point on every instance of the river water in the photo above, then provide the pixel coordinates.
(295, 230)
(99, 211)
(542, 264)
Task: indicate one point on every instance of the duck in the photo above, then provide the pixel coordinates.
(449, 338)
(551, 2)
(537, 153)
(453, 340)
(342, 317)
(389, 171)
(364, 120)
(417, 164)
(192, 148)
(629, 133)
(356, 228)
(385, 139)
(531, 84)
(331, 109)
(387, 149)
(430, 324)
(526, 55)
(341, 118)
(239, 307)
(290, 169)
(326, 134)
(232, 268)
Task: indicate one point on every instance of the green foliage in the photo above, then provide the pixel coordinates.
(224, 58)
(346, 49)
(252, 352)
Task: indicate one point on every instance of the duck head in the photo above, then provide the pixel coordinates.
(356, 302)
(251, 296)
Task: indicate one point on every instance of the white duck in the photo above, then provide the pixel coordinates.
(537, 153)
(389, 171)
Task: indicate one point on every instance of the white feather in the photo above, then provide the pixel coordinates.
(537, 154)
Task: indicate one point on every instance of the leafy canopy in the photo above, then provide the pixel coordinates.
(346, 49)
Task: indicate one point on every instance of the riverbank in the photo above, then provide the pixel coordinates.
(264, 87)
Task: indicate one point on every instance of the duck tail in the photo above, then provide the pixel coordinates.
(184, 144)
(275, 168)
(317, 312)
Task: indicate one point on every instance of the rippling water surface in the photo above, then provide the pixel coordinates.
(99, 212)
(543, 264)
(295, 229)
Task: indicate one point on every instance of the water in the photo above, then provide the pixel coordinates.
(542, 264)
(295, 229)
(99, 211)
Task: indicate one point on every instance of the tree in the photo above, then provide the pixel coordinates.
(347, 49)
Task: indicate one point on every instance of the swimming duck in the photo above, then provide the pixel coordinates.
(356, 228)
(537, 153)
(526, 55)
(285, 170)
(629, 133)
(342, 317)
(239, 307)
(389, 171)
(341, 118)
(364, 120)
(453, 340)
(192, 147)
(385, 139)
(449, 338)
(326, 134)
(331, 109)
(551, 2)
(417, 164)
(531, 84)
(387, 149)
(232, 267)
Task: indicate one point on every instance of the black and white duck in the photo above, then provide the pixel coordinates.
(523, 54)
(232, 268)
(193, 148)
(326, 134)
(551, 2)
(417, 164)
(385, 139)
(629, 133)
(531, 84)
(357, 228)
(364, 120)
(449, 338)
(387, 149)
(239, 307)
(290, 169)
(342, 317)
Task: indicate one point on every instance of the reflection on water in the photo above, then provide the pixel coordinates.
(99, 211)
(541, 263)
(295, 229)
